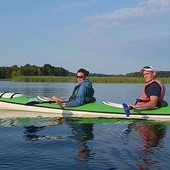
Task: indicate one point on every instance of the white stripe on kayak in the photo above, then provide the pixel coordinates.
(118, 105)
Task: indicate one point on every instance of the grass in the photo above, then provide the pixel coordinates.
(71, 79)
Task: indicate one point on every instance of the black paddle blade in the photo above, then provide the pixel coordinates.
(32, 103)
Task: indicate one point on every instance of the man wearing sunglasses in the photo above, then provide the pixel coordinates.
(153, 92)
(82, 93)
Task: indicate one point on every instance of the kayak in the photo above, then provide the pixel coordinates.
(19, 105)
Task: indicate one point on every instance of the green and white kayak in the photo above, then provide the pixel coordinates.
(14, 105)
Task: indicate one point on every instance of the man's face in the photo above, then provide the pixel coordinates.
(148, 76)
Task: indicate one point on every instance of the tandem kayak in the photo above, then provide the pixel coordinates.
(14, 105)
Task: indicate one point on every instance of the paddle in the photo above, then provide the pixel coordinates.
(126, 109)
(31, 103)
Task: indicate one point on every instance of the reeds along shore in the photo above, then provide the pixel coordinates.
(71, 79)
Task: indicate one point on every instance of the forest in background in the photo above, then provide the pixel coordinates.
(49, 73)
(32, 70)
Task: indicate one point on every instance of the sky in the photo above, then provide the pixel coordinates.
(102, 36)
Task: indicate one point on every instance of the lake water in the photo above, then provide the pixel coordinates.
(51, 143)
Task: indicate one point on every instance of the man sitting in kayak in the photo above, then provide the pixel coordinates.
(82, 93)
(153, 92)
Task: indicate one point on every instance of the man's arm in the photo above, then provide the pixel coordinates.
(148, 105)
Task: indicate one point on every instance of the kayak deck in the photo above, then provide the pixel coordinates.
(92, 107)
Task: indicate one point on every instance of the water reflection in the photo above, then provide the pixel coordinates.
(75, 141)
(151, 135)
(31, 131)
(80, 132)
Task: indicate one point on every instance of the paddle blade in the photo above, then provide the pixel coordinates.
(32, 103)
(126, 109)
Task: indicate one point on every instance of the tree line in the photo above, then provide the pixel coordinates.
(49, 70)
(164, 74)
(32, 70)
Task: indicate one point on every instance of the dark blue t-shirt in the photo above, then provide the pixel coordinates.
(153, 90)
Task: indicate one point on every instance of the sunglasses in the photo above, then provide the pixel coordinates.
(80, 77)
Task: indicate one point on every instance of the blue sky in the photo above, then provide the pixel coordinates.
(102, 36)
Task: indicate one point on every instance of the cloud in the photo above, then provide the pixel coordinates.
(163, 5)
(147, 9)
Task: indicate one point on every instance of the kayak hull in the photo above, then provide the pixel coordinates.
(17, 110)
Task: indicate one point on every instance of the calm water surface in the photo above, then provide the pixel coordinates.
(54, 143)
